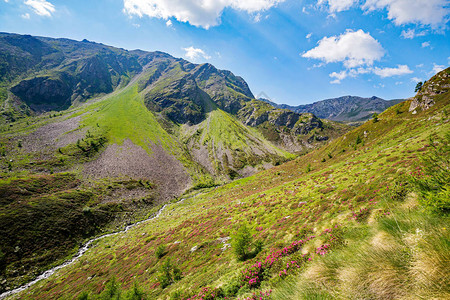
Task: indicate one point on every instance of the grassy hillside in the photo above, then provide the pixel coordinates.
(369, 208)
(124, 161)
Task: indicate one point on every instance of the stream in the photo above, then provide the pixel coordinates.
(82, 251)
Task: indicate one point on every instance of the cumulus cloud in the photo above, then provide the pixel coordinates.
(389, 72)
(437, 68)
(26, 16)
(338, 76)
(337, 5)
(426, 12)
(195, 53)
(416, 79)
(309, 35)
(169, 23)
(41, 7)
(204, 13)
(426, 44)
(352, 48)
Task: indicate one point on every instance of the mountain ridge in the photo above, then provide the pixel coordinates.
(344, 108)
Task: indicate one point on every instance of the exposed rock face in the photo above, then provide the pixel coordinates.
(52, 74)
(257, 112)
(425, 98)
(44, 93)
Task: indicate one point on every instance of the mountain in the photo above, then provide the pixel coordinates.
(363, 217)
(342, 109)
(94, 137)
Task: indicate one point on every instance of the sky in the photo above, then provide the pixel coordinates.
(294, 51)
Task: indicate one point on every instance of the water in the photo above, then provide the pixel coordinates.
(80, 253)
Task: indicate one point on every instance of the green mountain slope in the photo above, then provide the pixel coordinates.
(131, 129)
(367, 209)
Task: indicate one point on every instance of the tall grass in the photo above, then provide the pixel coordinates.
(406, 256)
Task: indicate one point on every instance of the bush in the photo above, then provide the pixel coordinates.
(135, 293)
(83, 296)
(160, 251)
(112, 290)
(168, 274)
(375, 117)
(432, 178)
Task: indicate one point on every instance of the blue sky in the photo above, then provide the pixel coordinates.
(295, 51)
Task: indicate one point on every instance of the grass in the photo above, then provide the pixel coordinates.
(124, 116)
(345, 206)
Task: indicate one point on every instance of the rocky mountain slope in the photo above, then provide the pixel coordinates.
(364, 217)
(343, 109)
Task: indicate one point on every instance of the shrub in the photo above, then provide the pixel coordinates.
(112, 290)
(83, 296)
(135, 293)
(168, 274)
(375, 117)
(308, 168)
(432, 178)
(160, 251)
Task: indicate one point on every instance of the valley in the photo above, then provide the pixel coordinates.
(158, 178)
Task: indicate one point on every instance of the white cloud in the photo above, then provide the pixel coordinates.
(195, 53)
(308, 36)
(205, 13)
(389, 72)
(382, 72)
(411, 33)
(437, 68)
(169, 23)
(425, 44)
(338, 76)
(426, 12)
(41, 7)
(26, 16)
(353, 48)
(257, 18)
(416, 79)
(337, 5)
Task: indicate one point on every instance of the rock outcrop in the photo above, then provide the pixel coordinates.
(437, 85)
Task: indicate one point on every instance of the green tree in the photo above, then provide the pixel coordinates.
(375, 117)
(243, 245)
(241, 242)
(419, 86)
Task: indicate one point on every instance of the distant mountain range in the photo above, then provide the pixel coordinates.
(342, 109)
